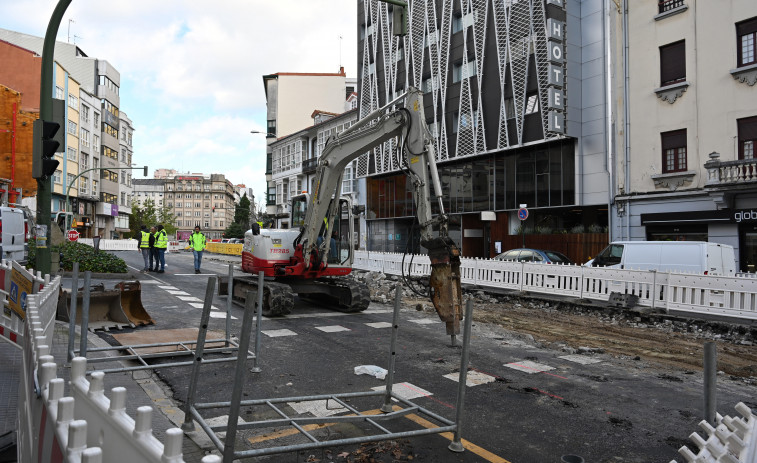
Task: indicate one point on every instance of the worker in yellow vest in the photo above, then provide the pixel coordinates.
(197, 243)
(143, 237)
(161, 244)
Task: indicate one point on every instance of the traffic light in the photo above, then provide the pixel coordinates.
(44, 163)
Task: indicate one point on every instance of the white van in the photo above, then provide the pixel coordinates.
(669, 256)
(14, 233)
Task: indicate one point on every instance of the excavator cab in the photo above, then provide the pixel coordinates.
(335, 234)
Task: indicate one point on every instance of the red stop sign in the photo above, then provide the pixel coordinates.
(73, 235)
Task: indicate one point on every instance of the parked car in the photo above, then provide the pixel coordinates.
(539, 256)
(668, 256)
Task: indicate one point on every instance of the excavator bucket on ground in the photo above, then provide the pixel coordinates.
(131, 302)
(115, 308)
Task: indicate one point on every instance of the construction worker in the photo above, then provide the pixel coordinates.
(153, 252)
(197, 243)
(161, 244)
(143, 237)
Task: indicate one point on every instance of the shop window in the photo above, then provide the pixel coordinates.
(673, 151)
(747, 137)
(673, 63)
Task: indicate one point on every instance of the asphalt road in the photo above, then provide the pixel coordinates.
(534, 404)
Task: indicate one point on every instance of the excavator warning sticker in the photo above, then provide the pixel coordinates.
(276, 242)
(415, 105)
(413, 160)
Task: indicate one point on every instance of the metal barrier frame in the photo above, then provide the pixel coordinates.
(191, 410)
(230, 345)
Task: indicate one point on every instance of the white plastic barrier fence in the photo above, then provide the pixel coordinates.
(730, 296)
(85, 426)
(125, 245)
(11, 324)
(733, 440)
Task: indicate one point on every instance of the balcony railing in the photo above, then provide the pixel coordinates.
(667, 5)
(730, 172)
(309, 165)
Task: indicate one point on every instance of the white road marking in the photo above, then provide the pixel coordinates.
(332, 328)
(332, 314)
(174, 288)
(529, 367)
(318, 408)
(189, 298)
(379, 325)
(405, 391)
(178, 292)
(425, 321)
(582, 359)
(149, 282)
(220, 315)
(278, 333)
(474, 378)
(222, 420)
(194, 274)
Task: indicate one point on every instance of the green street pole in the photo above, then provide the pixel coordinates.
(44, 186)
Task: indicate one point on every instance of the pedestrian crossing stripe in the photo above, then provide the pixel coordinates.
(405, 391)
(582, 359)
(169, 288)
(473, 378)
(332, 328)
(379, 325)
(278, 333)
(527, 366)
(425, 321)
(220, 315)
(177, 292)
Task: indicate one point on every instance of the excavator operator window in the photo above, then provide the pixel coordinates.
(299, 207)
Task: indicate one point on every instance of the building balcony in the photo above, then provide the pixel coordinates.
(309, 165)
(730, 173)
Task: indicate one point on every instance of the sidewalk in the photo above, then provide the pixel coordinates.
(143, 388)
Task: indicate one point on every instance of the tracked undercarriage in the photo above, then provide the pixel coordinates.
(341, 294)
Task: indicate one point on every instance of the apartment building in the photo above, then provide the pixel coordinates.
(125, 188)
(515, 97)
(102, 81)
(148, 188)
(200, 200)
(686, 137)
(291, 99)
(85, 204)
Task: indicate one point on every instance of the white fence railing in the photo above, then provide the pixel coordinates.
(124, 245)
(11, 324)
(85, 426)
(733, 440)
(730, 296)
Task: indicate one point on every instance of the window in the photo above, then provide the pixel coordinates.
(509, 108)
(84, 137)
(57, 176)
(673, 63)
(70, 180)
(96, 143)
(72, 154)
(746, 33)
(73, 101)
(72, 128)
(673, 151)
(747, 137)
(460, 68)
(667, 5)
(59, 94)
(532, 104)
(271, 128)
(97, 119)
(84, 113)
(84, 164)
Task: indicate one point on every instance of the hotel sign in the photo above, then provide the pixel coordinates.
(556, 73)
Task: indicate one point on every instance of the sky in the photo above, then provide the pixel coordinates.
(191, 71)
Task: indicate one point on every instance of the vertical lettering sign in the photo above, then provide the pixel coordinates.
(555, 68)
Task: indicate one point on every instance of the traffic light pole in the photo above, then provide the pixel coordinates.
(73, 180)
(44, 185)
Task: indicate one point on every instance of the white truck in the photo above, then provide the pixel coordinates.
(699, 257)
(14, 233)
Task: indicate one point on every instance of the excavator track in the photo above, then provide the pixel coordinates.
(341, 294)
(278, 298)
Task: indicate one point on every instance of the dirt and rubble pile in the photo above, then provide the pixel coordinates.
(636, 333)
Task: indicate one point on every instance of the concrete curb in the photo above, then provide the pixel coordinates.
(104, 276)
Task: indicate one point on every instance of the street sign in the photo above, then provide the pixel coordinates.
(522, 213)
(72, 235)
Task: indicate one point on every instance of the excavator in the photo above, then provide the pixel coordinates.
(310, 261)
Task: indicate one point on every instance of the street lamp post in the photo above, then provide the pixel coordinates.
(68, 190)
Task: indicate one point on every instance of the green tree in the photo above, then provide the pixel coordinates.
(242, 212)
(142, 214)
(147, 214)
(235, 230)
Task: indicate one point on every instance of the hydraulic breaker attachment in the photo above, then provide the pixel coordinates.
(446, 290)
